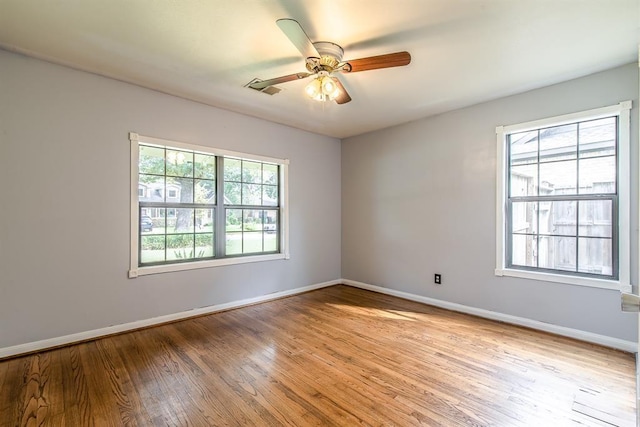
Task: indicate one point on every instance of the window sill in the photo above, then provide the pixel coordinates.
(569, 280)
(168, 268)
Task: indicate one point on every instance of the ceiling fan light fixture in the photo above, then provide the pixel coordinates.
(322, 88)
(330, 88)
(314, 89)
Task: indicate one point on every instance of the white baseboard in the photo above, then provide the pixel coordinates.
(116, 329)
(5, 352)
(628, 346)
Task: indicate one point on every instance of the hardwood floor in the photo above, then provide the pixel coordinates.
(336, 356)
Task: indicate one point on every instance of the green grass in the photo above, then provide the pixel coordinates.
(234, 246)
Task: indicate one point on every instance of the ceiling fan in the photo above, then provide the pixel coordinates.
(323, 61)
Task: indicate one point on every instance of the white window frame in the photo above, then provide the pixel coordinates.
(135, 270)
(622, 111)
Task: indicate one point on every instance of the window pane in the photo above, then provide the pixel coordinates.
(232, 193)
(270, 242)
(232, 170)
(233, 220)
(524, 180)
(204, 245)
(157, 216)
(558, 178)
(183, 222)
(558, 253)
(524, 217)
(205, 166)
(251, 172)
(524, 250)
(180, 246)
(596, 218)
(558, 217)
(598, 175)
(524, 148)
(146, 224)
(270, 221)
(153, 187)
(269, 174)
(559, 143)
(204, 220)
(181, 189)
(151, 160)
(179, 163)
(251, 194)
(270, 195)
(251, 220)
(152, 249)
(233, 243)
(595, 256)
(252, 242)
(205, 191)
(598, 137)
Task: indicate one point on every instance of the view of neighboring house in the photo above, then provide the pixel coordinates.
(155, 192)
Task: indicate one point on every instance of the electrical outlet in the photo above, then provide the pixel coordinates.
(437, 279)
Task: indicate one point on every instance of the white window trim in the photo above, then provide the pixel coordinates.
(135, 270)
(622, 110)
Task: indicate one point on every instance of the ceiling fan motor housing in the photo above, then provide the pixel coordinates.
(330, 56)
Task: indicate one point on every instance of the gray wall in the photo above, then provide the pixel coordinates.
(416, 199)
(420, 199)
(64, 221)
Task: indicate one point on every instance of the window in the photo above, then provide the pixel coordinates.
(563, 198)
(220, 208)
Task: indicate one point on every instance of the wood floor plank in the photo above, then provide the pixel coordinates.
(53, 393)
(104, 405)
(128, 399)
(11, 385)
(34, 405)
(75, 388)
(337, 356)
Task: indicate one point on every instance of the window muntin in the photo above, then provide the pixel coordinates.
(563, 195)
(188, 215)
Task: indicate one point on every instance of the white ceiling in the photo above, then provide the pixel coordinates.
(463, 51)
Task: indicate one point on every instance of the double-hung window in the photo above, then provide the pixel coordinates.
(563, 198)
(195, 206)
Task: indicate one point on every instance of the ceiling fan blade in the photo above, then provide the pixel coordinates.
(261, 84)
(344, 97)
(293, 30)
(397, 59)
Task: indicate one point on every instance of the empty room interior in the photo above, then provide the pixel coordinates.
(304, 213)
